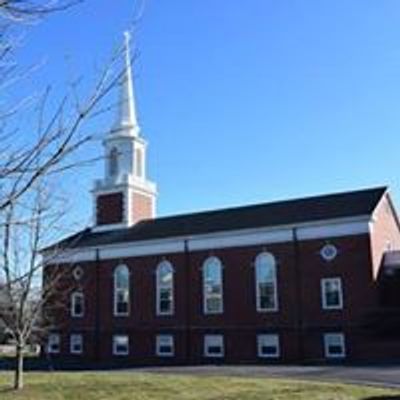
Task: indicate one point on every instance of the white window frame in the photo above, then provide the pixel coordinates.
(74, 298)
(210, 261)
(53, 338)
(273, 340)
(115, 350)
(333, 336)
(159, 344)
(325, 305)
(76, 338)
(207, 345)
(159, 287)
(257, 265)
(116, 290)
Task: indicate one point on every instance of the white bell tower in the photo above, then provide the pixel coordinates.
(124, 196)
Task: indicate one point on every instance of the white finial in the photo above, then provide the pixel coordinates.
(126, 117)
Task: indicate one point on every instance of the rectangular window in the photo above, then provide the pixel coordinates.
(332, 296)
(120, 345)
(213, 346)
(268, 346)
(76, 344)
(334, 345)
(165, 345)
(53, 343)
(77, 305)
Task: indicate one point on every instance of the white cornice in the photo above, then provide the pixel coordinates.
(218, 240)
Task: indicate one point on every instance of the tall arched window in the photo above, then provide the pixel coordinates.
(165, 288)
(113, 162)
(266, 285)
(121, 291)
(212, 286)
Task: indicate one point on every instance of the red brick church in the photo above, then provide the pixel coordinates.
(312, 279)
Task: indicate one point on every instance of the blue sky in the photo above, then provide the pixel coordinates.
(245, 101)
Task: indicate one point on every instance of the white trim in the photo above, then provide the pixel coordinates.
(74, 298)
(226, 239)
(207, 344)
(340, 338)
(239, 238)
(115, 347)
(274, 282)
(73, 340)
(171, 344)
(206, 263)
(335, 230)
(326, 306)
(116, 290)
(159, 287)
(273, 340)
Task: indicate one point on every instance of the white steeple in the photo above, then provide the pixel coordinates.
(126, 120)
(125, 195)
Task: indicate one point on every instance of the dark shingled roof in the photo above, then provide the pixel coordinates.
(289, 212)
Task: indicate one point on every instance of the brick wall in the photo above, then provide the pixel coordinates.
(110, 209)
(142, 207)
(300, 321)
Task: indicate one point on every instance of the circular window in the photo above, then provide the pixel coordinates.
(77, 273)
(329, 252)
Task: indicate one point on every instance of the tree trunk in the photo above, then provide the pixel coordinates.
(19, 368)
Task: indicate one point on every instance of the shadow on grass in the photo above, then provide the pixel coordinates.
(7, 389)
(397, 397)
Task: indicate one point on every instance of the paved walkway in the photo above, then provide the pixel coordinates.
(385, 376)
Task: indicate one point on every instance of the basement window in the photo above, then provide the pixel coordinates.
(53, 343)
(165, 345)
(120, 345)
(334, 345)
(268, 346)
(76, 344)
(213, 346)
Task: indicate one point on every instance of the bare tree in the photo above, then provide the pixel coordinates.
(24, 230)
(30, 167)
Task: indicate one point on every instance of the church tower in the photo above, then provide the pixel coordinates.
(124, 196)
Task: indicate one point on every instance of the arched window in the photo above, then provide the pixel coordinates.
(212, 286)
(113, 162)
(77, 305)
(121, 291)
(266, 285)
(165, 288)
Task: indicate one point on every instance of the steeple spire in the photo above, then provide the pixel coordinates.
(125, 195)
(126, 121)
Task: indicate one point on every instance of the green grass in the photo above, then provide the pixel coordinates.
(142, 386)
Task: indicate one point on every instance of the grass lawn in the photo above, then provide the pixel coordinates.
(134, 386)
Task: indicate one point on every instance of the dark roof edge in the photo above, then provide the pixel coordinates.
(383, 188)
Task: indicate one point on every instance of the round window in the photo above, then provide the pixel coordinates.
(77, 273)
(329, 252)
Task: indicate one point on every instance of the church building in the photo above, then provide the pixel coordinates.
(314, 279)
